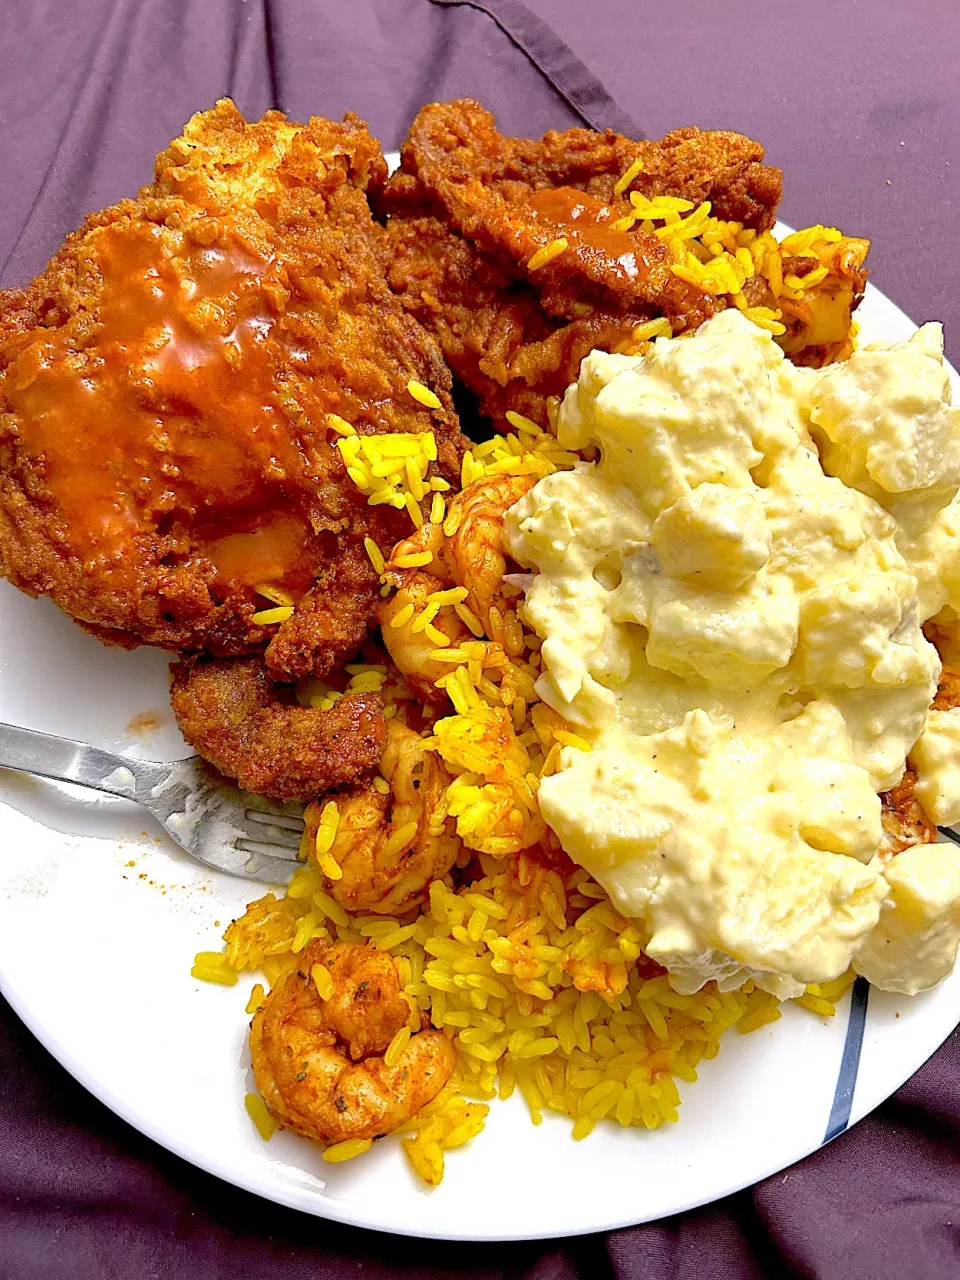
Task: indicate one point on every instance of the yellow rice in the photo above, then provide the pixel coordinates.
(393, 469)
(547, 254)
(274, 594)
(529, 968)
(340, 425)
(542, 986)
(261, 1117)
(631, 172)
(423, 395)
(267, 617)
(347, 1150)
(374, 553)
(322, 980)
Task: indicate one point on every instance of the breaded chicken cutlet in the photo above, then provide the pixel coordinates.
(172, 389)
(165, 386)
(522, 256)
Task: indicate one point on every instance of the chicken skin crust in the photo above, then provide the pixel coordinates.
(166, 392)
(253, 729)
(470, 209)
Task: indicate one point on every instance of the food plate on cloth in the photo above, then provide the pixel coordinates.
(102, 915)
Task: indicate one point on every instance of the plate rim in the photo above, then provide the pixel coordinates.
(338, 1211)
(276, 1191)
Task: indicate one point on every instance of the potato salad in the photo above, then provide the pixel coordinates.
(730, 598)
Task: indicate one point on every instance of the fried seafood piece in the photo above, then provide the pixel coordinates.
(251, 728)
(319, 1061)
(166, 386)
(389, 847)
(474, 218)
(904, 821)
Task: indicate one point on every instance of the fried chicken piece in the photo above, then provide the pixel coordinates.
(515, 197)
(485, 206)
(165, 387)
(470, 209)
(495, 334)
(456, 145)
(252, 729)
(327, 621)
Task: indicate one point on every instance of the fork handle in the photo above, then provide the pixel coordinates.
(69, 761)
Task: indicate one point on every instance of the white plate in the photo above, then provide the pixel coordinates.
(100, 918)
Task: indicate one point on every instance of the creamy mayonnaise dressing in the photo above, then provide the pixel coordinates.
(730, 603)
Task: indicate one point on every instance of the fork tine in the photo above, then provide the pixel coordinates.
(276, 836)
(225, 827)
(275, 819)
(265, 850)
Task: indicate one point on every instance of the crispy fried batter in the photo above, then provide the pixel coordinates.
(947, 696)
(457, 143)
(497, 338)
(904, 821)
(164, 392)
(328, 621)
(469, 208)
(252, 729)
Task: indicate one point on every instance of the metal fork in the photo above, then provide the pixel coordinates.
(214, 821)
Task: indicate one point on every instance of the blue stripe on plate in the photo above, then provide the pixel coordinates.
(850, 1062)
(950, 834)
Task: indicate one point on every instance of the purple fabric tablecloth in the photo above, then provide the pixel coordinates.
(859, 103)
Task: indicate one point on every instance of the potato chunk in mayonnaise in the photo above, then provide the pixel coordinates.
(732, 620)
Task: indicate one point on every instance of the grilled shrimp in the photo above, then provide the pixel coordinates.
(471, 557)
(389, 847)
(410, 649)
(474, 553)
(319, 1063)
